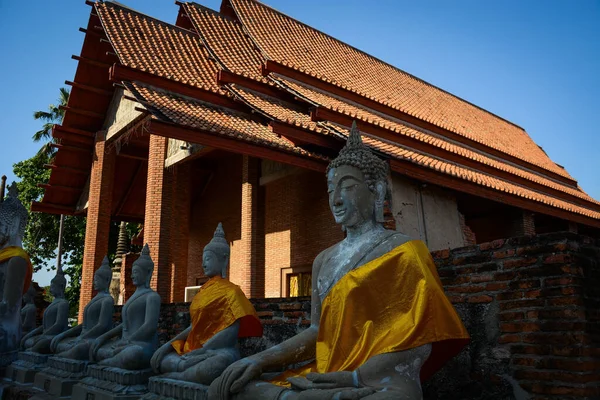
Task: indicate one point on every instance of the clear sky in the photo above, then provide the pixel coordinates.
(535, 63)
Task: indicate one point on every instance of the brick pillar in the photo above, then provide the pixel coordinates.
(245, 273)
(180, 232)
(157, 218)
(127, 287)
(98, 218)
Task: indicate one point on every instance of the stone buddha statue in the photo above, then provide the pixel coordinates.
(220, 314)
(55, 320)
(130, 345)
(380, 321)
(15, 270)
(75, 343)
(29, 311)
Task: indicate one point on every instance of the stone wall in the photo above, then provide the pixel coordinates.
(531, 305)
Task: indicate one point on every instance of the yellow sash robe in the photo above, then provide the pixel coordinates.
(14, 251)
(217, 305)
(393, 303)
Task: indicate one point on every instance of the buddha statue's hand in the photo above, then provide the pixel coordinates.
(234, 378)
(331, 380)
(159, 355)
(336, 394)
(55, 341)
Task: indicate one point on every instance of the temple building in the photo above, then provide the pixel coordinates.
(232, 116)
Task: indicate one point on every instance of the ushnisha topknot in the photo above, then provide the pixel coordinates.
(356, 154)
(12, 207)
(218, 244)
(105, 270)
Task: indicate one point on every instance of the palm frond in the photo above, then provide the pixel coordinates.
(43, 115)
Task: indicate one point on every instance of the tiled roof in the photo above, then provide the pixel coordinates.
(399, 152)
(296, 45)
(202, 116)
(226, 40)
(150, 45)
(359, 112)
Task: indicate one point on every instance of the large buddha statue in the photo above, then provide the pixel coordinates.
(75, 343)
(381, 322)
(15, 270)
(55, 319)
(220, 314)
(130, 345)
(29, 311)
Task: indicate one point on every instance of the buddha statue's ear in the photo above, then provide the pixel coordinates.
(380, 192)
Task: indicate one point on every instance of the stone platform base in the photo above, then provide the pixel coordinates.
(59, 376)
(24, 369)
(6, 359)
(109, 383)
(168, 389)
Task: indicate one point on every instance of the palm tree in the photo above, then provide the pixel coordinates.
(54, 115)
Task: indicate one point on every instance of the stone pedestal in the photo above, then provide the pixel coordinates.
(6, 359)
(59, 376)
(171, 389)
(108, 383)
(24, 369)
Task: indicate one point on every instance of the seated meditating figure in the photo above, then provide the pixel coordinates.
(380, 319)
(130, 345)
(97, 319)
(55, 319)
(15, 269)
(29, 311)
(220, 314)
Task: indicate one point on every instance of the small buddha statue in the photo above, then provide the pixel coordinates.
(15, 269)
(130, 345)
(75, 343)
(29, 311)
(220, 314)
(380, 319)
(55, 319)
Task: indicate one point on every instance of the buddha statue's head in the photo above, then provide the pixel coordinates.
(103, 276)
(142, 269)
(58, 284)
(357, 183)
(13, 218)
(215, 257)
(29, 295)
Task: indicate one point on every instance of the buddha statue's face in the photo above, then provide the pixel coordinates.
(350, 199)
(57, 289)
(139, 275)
(4, 234)
(213, 264)
(101, 281)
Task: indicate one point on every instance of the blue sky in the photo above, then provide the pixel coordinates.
(534, 63)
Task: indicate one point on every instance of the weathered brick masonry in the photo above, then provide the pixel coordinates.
(531, 305)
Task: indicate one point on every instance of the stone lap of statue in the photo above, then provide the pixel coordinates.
(15, 270)
(97, 319)
(379, 314)
(130, 345)
(29, 311)
(220, 314)
(55, 319)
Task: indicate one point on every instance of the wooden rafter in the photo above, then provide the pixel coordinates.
(71, 148)
(67, 169)
(50, 208)
(81, 111)
(89, 88)
(60, 188)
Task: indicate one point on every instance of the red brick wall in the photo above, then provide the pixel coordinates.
(98, 218)
(127, 287)
(298, 225)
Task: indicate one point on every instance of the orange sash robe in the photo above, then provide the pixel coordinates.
(393, 303)
(217, 305)
(14, 251)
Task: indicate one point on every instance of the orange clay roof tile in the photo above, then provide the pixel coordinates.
(153, 46)
(294, 44)
(198, 115)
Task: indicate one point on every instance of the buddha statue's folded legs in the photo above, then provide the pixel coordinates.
(202, 369)
(125, 354)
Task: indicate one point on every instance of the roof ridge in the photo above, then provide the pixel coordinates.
(202, 7)
(114, 3)
(387, 63)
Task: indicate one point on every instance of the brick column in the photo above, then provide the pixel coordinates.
(126, 284)
(157, 218)
(245, 273)
(180, 232)
(98, 218)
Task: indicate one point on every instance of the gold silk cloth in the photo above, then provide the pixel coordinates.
(14, 251)
(393, 303)
(217, 305)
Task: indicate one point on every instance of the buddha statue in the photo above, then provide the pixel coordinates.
(55, 319)
(15, 269)
(75, 343)
(130, 345)
(220, 314)
(29, 311)
(380, 321)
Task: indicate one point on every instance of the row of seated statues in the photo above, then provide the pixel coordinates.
(380, 321)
